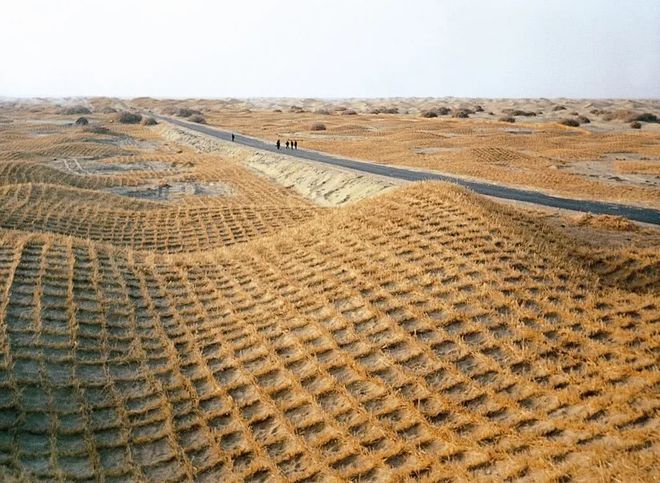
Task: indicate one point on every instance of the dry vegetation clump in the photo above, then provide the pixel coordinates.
(349, 112)
(461, 114)
(429, 114)
(75, 109)
(185, 112)
(570, 122)
(559, 108)
(127, 117)
(519, 112)
(608, 222)
(636, 125)
(583, 119)
(644, 117)
(108, 110)
(510, 119)
(317, 126)
(96, 129)
(82, 121)
(323, 112)
(149, 121)
(198, 118)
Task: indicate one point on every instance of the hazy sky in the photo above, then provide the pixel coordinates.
(333, 48)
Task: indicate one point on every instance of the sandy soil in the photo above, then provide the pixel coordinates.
(173, 190)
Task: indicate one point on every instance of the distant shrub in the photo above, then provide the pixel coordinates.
(443, 111)
(77, 109)
(324, 112)
(82, 121)
(559, 108)
(570, 122)
(317, 126)
(349, 112)
(129, 118)
(583, 119)
(149, 121)
(277, 110)
(390, 110)
(198, 118)
(96, 129)
(508, 119)
(645, 117)
(478, 109)
(108, 110)
(296, 109)
(636, 125)
(186, 112)
(429, 114)
(519, 112)
(462, 114)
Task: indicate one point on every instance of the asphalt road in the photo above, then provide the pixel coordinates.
(646, 215)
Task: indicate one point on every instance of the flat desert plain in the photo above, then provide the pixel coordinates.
(175, 307)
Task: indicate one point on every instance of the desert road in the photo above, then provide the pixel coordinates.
(646, 215)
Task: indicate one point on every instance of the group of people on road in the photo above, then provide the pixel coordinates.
(293, 144)
(289, 144)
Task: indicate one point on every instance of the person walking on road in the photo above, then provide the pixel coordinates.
(278, 144)
(295, 144)
(287, 144)
(233, 138)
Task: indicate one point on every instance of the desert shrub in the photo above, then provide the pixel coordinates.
(198, 118)
(508, 119)
(108, 110)
(186, 112)
(349, 112)
(429, 114)
(277, 110)
(570, 122)
(443, 111)
(149, 121)
(317, 126)
(462, 114)
(324, 112)
(559, 108)
(636, 125)
(82, 121)
(519, 112)
(96, 129)
(375, 110)
(478, 109)
(584, 119)
(129, 118)
(645, 117)
(390, 110)
(77, 109)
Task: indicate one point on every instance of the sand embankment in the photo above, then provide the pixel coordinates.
(324, 185)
